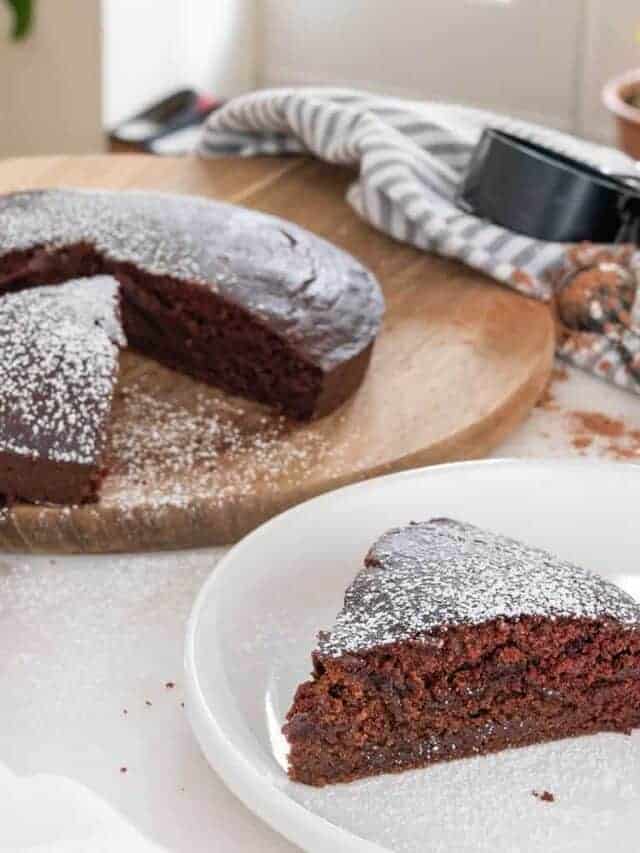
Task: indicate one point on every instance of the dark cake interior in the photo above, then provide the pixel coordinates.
(455, 642)
(235, 298)
(59, 354)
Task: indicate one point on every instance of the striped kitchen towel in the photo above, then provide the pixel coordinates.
(411, 156)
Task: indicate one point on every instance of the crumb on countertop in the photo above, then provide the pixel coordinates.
(544, 796)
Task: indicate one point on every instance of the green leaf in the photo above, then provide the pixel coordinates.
(22, 17)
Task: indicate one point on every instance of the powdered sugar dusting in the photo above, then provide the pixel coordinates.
(309, 290)
(188, 465)
(441, 572)
(58, 367)
(172, 451)
(484, 805)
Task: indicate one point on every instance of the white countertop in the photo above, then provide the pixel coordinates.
(85, 638)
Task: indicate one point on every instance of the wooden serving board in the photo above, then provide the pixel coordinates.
(459, 363)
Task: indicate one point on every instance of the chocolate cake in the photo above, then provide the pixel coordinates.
(59, 350)
(455, 642)
(236, 298)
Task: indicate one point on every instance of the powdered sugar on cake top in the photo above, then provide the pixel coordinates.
(444, 573)
(58, 367)
(309, 290)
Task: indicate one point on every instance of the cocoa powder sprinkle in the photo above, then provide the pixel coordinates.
(599, 424)
(581, 441)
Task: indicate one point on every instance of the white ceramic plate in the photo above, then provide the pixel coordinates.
(254, 625)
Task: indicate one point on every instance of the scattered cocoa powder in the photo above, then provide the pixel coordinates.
(599, 424)
(623, 452)
(585, 426)
(623, 443)
(581, 441)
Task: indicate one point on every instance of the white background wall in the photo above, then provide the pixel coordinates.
(542, 59)
(153, 46)
(545, 60)
(50, 84)
(611, 46)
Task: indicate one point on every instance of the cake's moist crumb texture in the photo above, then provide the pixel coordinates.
(236, 298)
(59, 351)
(455, 642)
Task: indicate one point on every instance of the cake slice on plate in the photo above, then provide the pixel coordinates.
(454, 642)
(59, 352)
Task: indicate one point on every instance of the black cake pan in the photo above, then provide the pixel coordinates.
(532, 190)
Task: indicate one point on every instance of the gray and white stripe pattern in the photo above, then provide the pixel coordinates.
(410, 156)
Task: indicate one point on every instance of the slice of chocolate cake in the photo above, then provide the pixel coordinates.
(59, 351)
(455, 642)
(236, 298)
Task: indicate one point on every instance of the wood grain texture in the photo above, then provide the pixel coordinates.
(459, 363)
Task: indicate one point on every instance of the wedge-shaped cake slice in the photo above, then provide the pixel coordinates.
(453, 642)
(59, 350)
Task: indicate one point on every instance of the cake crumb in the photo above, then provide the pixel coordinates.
(123, 769)
(147, 703)
(125, 712)
(544, 796)
(170, 685)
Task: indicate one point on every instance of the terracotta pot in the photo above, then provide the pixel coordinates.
(616, 96)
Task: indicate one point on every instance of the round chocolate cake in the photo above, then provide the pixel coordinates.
(238, 299)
